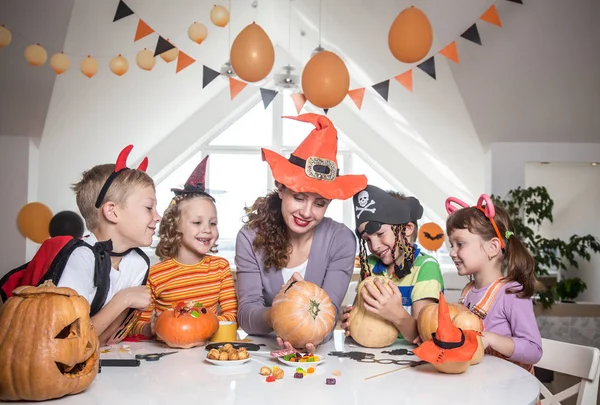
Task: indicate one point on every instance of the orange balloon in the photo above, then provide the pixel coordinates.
(431, 236)
(325, 80)
(89, 66)
(219, 16)
(36, 55)
(60, 63)
(145, 59)
(410, 36)
(252, 54)
(119, 65)
(5, 36)
(170, 55)
(34, 221)
(197, 32)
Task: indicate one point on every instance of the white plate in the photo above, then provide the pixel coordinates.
(227, 362)
(302, 364)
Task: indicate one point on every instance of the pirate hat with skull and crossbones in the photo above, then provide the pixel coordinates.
(376, 207)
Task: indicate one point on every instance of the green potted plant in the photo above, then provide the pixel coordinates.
(528, 209)
(567, 290)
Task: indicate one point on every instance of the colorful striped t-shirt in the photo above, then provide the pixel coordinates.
(208, 282)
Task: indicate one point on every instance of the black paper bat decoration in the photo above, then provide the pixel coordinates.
(436, 237)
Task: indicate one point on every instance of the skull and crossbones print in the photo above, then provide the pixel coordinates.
(363, 201)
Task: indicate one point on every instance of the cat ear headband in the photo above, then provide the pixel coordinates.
(488, 210)
(120, 167)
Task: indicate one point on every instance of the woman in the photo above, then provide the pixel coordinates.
(287, 236)
(387, 223)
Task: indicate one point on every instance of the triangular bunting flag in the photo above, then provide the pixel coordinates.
(208, 75)
(357, 95)
(325, 110)
(267, 96)
(123, 11)
(383, 88)
(235, 86)
(472, 34)
(428, 67)
(162, 46)
(406, 79)
(491, 16)
(516, 1)
(183, 61)
(299, 101)
(143, 30)
(451, 52)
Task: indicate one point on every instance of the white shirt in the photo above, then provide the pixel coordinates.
(79, 272)
(287, 273)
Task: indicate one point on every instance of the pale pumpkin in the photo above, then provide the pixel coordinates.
(186, 325)
(302, 313)
(427, 321)
(369, 329)
(48, 345)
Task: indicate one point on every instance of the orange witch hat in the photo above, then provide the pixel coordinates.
(449, 343)
(312, 167)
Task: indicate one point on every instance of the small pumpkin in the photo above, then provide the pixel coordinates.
(186, 325)
(427, 321)
(302, 313)
(369, 329)
(48, 345)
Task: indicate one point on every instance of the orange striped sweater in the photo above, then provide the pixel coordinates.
(208, 282)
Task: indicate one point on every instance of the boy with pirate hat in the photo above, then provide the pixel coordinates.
(119, 207)
(386, 225)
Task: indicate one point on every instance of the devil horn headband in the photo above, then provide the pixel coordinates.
(120, 166)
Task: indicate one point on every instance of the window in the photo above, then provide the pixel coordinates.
(236, 174)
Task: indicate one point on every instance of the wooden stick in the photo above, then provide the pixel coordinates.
(398, 369)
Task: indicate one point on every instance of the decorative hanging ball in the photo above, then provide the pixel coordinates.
(410, 36)
(119, 65)
(145, 59)
(170, 55)
(89, 66)
(252, 54)
(36, 55)
(219, 16)
(325, 80)
(198, 32)
(5, 36)
(60, 63)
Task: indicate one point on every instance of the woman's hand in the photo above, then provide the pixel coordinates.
(346, 319)
(384, 303)
(309, 348)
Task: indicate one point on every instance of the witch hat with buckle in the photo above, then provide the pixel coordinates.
(451, 349)
(312, 167)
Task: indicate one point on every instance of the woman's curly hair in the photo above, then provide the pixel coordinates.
(265, 218)
(170, 236)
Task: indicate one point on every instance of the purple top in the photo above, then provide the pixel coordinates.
(330, 266)
(512, 316)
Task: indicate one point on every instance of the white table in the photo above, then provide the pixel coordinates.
(186, 378)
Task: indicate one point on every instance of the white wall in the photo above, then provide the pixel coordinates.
(574, 187)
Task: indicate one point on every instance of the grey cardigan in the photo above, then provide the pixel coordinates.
(330, 266)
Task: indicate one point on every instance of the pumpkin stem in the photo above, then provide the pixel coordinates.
(47, 283)
(313, 310)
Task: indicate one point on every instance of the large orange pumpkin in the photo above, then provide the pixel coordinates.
(427, 322)
(302, 313)
(48, 345)
(187, 325)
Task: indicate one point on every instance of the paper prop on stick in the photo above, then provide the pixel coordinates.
(451, 350)
(431, 236)
(252, 54)
(410, 36)
(325, 80)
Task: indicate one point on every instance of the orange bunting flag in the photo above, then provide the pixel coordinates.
(299, 101)
(492, 16)
(357, 95)
(235, 86)
(406, 79)
(142, 31)
(451, 52)
(183, 61)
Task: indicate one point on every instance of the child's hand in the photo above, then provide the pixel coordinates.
(346, 319)
(485, 338)
(137, 297)
(380, 301)
(155, 315)
(418, 341)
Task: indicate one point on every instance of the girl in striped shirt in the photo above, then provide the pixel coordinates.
(188, 271)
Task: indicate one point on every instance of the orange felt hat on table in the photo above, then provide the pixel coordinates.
(449, 343)
(312, 167)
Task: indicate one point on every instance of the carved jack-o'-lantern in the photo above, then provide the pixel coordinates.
(48, 345)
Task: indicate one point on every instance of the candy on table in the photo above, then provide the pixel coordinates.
(336, 373)
(330, 381)
(298, 375)
(270, 378)
(310, 370)
(265, 371)
(301, 370)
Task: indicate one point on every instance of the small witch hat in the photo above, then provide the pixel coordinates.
(196, 183)
(312, 167)
(449, 343)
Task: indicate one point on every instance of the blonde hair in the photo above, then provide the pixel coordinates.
(88, 189)
(169, 233)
